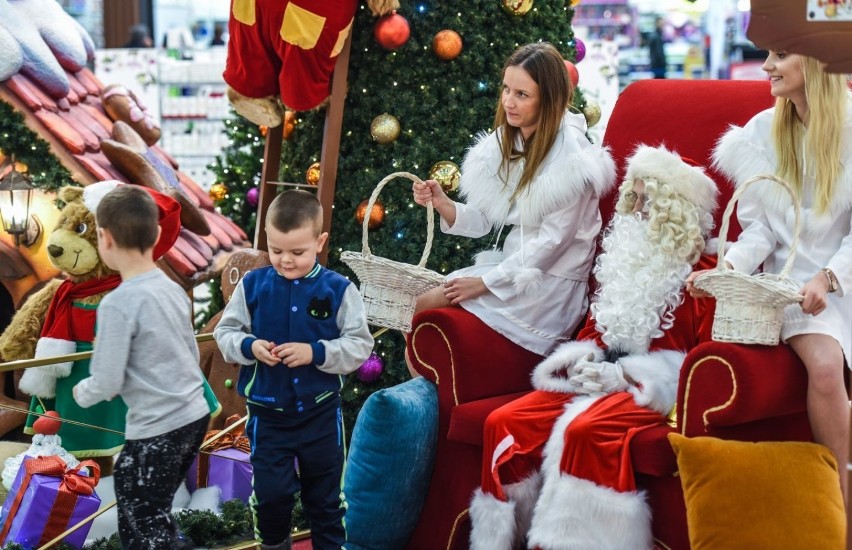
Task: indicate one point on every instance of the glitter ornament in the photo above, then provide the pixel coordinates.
(573, 73)
(580, 46)
(385, 128)
(252, 196)
(312, 176)
(377, 214)
(447, 44)
(392, 31)
(592, 112)
(371, 370)
(218, 191)
(516, 7)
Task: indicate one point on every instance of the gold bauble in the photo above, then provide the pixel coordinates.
(312, 176)
(218, 191)
(517, 7)
(447, 44)
(377, 214)
(447, 173)
(592, 112)
(385, 128)
(289, 123)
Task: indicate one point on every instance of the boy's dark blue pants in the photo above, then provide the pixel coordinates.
(315, 438)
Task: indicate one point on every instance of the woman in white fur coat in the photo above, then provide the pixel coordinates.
(540, 174)
(805, 139)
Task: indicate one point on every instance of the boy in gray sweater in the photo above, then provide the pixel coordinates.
(145, 352)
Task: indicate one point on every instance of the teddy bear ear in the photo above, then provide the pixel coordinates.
(69, 193)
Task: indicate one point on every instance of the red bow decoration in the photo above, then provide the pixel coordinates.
(235, 439)
(73, 485)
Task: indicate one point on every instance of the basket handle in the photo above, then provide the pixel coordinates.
(430, 218)
(723, 232)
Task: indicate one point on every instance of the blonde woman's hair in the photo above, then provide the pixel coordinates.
(546, 67)
(674, 223)
(819, 144)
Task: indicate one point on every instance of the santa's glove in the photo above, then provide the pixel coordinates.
(598, 378)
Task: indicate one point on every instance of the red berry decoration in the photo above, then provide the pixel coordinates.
(48, 424)
(392, 31)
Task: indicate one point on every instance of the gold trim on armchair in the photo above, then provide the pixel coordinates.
(426, 365)
(721, 407)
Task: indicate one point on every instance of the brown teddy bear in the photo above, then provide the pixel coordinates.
(60, 319)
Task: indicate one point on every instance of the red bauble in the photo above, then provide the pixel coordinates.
(392, 31)
(48, 424)
(573, 73)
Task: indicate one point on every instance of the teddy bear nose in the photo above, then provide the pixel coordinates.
(55, 251)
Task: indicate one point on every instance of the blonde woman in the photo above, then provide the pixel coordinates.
(807, 140)
(538, 173)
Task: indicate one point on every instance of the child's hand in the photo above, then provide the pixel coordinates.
(294, 354)
(263, 351)
(815, 292)
(464, 288)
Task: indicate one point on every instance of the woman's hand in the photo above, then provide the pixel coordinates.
(464, 288)
(815, 292)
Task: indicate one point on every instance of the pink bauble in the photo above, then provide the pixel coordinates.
(392, 31)
(251, 196)
(573, 74)
(371, 370)
(580, 46)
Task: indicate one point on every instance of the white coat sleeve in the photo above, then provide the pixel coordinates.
(347, 352)
(234, 327)
(756, 241)
(470, 222)
(841, 264)
(557, 234)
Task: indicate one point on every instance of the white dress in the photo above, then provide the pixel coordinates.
(766, 214)
(538, 283)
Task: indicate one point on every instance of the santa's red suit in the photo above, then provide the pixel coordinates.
(286, 47)
(568, 455)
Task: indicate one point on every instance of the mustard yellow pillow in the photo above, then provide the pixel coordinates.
(778, 495)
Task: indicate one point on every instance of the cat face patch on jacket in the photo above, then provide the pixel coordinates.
(320, 308)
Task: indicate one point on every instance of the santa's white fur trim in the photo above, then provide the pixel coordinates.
(41, 381)
(552, 374)
(664, 166)
(493, 523)
(524, 494)
(527, 280)
(94, 193)
(576, 514)
(657, 374)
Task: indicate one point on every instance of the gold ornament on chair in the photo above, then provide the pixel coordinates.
(377, 214)
(385, 128)
(592, 112)
(218, 191)
(312, 176)
(517, 7)
(447, 173)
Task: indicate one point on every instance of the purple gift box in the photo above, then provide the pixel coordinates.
(230, 470)
(34, 511)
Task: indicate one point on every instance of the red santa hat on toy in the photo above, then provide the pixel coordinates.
(56, 335)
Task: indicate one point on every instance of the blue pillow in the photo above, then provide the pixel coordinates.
(390, 464)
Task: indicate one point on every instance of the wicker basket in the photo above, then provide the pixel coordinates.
(390, 289)
(749, 308)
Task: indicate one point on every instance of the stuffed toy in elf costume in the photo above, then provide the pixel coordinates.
(60, 319)
(286, 49)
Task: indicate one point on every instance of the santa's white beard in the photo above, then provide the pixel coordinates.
(639, 286)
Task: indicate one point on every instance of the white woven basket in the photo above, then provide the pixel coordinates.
(390, 289)
(749, 308)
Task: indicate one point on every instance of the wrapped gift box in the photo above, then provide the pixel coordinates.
(228, 469)
(46, 499)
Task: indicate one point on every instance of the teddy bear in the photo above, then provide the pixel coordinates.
(286, 50)
(60, 319)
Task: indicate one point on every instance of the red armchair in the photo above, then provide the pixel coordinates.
(725, 390)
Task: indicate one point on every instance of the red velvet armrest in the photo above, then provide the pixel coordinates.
(465, 358)
(743, 392)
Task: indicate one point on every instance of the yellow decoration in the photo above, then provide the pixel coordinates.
(739, 493)
(447, 173)
(592, 112)
(575, 3)
(289, 123)
(244, 11)
(377, 214)
(218, 191)
(517, 7)
(301, 27)
(312, 176)
(385, 128)
(447, 44)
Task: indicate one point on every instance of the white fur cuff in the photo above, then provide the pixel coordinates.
(553, 373)
(527, 280)
(92, 194)
(54, 347)
(657, 374)
(493, 523)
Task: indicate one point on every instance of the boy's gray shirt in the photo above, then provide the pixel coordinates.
(145, 351)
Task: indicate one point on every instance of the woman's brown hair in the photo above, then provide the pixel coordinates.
(546, 67)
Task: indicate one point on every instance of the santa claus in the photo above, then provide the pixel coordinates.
(556, 471)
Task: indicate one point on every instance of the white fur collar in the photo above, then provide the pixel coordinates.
(571, 165)
(745, 152)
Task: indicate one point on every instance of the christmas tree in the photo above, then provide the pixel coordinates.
(410, 105)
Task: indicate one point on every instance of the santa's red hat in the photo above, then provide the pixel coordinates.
(168, 207)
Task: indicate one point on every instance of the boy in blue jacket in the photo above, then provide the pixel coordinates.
(296, 328)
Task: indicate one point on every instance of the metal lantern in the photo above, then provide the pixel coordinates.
(16, 193)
